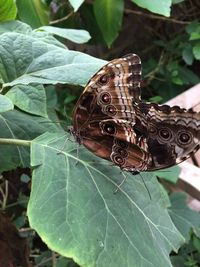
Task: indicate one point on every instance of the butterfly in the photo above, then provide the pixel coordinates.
(112, 121)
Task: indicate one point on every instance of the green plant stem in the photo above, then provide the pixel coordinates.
(20, 142)
(15, 204)
(62, 19)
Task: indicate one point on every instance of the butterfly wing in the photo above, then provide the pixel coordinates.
(173, 134)
(110, 93)
(116, 140)
(110, 112)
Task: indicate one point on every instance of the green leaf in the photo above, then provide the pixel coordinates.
(178, 261)
(195, 36)
(184, 218)
(196, 51)
(28, 59)
(51, 96)
(25, 178)
(14, 26)
(187, 76)
(86, 220)
(76, 36)
(76, 4)
(193, 29)
(194, 26)
(109, 15)
(33, 12)
(31, 99)
(170, 174)
(19, 27)
(188, 55)
(156, 99)
(91, 25)
(5, 104)
(161, 7)
(8, 10)
(17, 125)
(182, 75)
(46, 38)
(196, 243)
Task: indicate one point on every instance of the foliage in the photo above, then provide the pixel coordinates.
(72, 204)
(8, 10)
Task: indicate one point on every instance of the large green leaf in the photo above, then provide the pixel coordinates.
(75, 211)
(76, 36)
(33, 12)
(183, 217)
(161, 7)
(109, 15)
(29, 98)
(28, 59)
(76, 4)
(17, 125)
(8, 10)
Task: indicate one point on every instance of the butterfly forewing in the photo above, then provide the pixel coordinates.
(110, 92)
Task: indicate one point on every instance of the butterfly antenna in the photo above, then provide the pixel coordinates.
(145, 186)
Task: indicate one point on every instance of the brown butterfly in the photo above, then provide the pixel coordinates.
(112, 121)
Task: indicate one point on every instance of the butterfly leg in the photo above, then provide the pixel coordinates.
(118, 186)
(62, 148)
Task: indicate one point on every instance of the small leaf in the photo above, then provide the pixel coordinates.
(25, 178)
(193, 29)
(109, 15)
(30, 98)
(155, 99)
(5, 104)
(8, 10)
(196, 51)
(184, 218)
(194, 26)
(188, 55)
(76, 4)
(86, 220)
(161, 7)
(76, 36)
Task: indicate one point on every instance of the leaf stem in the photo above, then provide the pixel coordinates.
(6, 141)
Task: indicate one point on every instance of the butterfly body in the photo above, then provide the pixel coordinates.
(112, 121)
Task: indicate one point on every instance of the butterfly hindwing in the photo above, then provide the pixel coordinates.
(173, 134)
